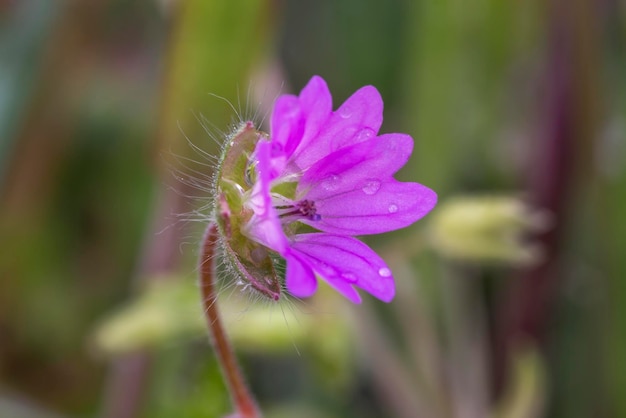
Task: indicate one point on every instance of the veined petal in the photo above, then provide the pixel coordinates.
(296, 120)
(264, 226)
(317, 105)
(358, 119)
(395, 205)
(346, 289)
(267, 231)
(299, 278)
(345, 262)
(286, 125)
(362, 166)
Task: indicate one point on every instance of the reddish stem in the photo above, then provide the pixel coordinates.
(241, 397)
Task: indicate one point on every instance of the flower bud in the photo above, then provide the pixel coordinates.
(487, 229)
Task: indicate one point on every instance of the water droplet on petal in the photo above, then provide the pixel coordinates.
(349, 277)
(365, 133)
(371, 186)
(345, 112)
(331, 182)
(384, 272)
(343, 139)
(327, 270)
(392, 208)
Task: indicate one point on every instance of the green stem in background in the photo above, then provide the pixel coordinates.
(241, 396)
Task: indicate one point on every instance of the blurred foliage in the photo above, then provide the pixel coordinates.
(103, 103)
(21, 42)
(168, 312)
(526, 393)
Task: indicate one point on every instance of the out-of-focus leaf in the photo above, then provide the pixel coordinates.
(214, 47)
(362, 43)
(526, 393)
(457, 79)
(610, 217)
(169, 311)
(22, 35)
(296, 410)
(18, 407)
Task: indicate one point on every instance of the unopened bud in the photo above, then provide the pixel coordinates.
(487, 229)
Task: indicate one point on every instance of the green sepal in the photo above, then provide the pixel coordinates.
(236, 176)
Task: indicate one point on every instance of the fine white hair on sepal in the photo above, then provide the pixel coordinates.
(194, 173)
(196, 177)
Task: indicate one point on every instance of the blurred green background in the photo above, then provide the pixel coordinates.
(512, 293)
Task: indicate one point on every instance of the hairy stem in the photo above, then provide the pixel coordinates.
(241, 397)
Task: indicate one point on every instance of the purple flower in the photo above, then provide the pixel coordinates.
(324, 176)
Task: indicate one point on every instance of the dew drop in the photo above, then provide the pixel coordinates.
(327, 270)
(331, 182)
(341, 140)
(392, 208)
(364, 134)
(345, 112)
(371, 186)
(384, 272)
(349, 277)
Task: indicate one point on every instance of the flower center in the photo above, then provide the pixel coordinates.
(304, 208)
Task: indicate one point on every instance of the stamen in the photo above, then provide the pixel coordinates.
(304, 208)
(307, 209)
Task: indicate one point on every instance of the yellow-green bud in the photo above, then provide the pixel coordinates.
(487, 229)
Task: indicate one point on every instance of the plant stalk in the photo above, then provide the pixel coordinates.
(242, 399)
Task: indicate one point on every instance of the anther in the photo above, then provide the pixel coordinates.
(308, 210)
(304, 208)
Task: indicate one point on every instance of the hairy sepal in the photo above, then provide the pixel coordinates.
(249, 260)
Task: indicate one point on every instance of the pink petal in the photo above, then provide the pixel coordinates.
(299, 278)
(264, 226)
(357, 120)
(394, 205)
(317, 105)
(287, 124)
(296, 120)
(361, 166)
(345, 262)
(346, 290)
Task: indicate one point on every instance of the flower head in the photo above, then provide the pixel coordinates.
(317, 180)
